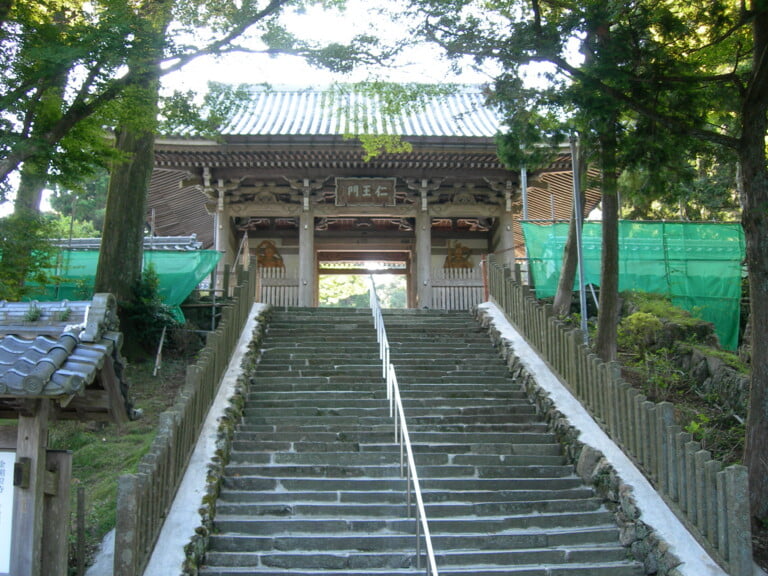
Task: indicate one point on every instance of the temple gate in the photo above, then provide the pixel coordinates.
(288, 184)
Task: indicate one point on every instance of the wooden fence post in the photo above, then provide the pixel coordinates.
(126, 529)
(739, 529)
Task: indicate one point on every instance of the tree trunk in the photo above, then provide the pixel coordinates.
(564, 295)
(754, 175)
(608, 316)
(5, 9)
(120, 257)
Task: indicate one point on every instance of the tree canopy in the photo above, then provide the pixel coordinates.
(677, 75)
(68, 72)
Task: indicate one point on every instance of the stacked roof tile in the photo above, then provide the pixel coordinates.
(58, 350)
(334, 112)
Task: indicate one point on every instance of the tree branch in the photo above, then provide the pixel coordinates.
(672, 122)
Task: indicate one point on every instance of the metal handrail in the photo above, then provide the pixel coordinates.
(401, 435)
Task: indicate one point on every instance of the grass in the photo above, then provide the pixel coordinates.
(101, 453)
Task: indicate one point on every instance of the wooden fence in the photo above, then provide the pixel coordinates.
(276, 288)
(144, 498)
(457, 288)
(714, 502)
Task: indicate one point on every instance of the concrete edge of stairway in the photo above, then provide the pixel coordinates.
(183, 517)
(654, 510)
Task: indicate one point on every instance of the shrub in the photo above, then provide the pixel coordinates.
(147, 313)
(639, 331)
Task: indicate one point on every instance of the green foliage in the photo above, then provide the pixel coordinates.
(386, 103)
(64, 315)
(180, 112)
(343, 290)
(375, 144)
(391, 290)
(25, 253)
(62, 227)
(657, 305)
(697, 426)
(638, 331)
(33, 313)
(100, 454)
(73, 70)
(661, 373)
(147, 313)
(352, 290)
(86, 202)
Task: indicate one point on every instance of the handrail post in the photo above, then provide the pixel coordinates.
(418, 541)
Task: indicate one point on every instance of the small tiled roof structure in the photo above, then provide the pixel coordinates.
(176, 243)
(65, 351)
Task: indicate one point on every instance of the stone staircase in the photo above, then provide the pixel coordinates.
(313, 485)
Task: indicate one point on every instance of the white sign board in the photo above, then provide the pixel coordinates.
(7, 460)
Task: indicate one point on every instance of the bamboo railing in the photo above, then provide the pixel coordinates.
(712, 501)
(144, 498)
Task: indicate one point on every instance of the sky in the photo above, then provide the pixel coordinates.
(422, 64)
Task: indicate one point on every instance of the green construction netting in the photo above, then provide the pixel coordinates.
(697, 265)
(178, 272)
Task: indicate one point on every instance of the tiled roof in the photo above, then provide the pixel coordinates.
(177, 243)
(59, 350)
(49, 367)
(313, 112)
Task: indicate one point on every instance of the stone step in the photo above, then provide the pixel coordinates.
(302, 356)
(313, 383)
(256, 422)
(534, 500)
(313, 483)
(328, 341)
(469, 527)
(372, 542)
(367, 457)
(417, 412)
(293, 347)
(308, 471)
(259, 482)
(372, 371)
(552, 512)
(346, 445)
(430, 437)
(411, 398)
(551, 558)
(608, 569)
(392, 469)
(418, 390)
(371, 409)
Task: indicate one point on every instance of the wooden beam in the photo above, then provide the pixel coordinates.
(116, 400)
(55, 537)
(28, 503)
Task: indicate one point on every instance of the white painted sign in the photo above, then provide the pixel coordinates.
(7, 460)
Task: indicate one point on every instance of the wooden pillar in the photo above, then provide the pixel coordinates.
(55, 560)
(307, 268)
(222, 234)
(29, 499)
(506, 239)
(423, 258)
